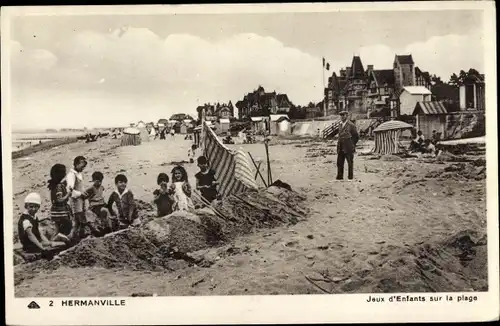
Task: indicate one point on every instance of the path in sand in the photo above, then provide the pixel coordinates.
(353, 225)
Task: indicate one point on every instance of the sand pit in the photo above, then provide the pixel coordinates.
(153, 244)
(457, 263)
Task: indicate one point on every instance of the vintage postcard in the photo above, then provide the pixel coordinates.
(265, 163)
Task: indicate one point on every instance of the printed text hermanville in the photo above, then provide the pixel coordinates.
(91, 303)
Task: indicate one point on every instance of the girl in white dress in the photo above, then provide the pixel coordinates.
(181, 190)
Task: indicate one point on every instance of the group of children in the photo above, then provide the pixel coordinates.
(426, 146)
(71, 203)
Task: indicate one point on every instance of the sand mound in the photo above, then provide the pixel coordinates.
(390, 158)
(473, 170)
(320, 152)
(155, 243)
(458, 263)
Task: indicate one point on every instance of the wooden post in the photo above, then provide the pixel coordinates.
(258, 169)
(269, 174)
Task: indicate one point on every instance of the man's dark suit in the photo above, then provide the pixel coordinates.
(348, 138)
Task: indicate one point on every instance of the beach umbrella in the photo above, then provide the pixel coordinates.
(393, 125)
(131, 137)
(387, 136)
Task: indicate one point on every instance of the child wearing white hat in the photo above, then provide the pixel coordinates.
(31, 238)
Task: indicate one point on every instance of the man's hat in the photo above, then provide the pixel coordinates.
(343, 112)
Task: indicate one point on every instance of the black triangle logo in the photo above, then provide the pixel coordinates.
(33, 305)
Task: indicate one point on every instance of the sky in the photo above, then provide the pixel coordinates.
(95, 71)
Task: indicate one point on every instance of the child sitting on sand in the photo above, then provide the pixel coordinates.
(32, 240)
(60, 212)
(181, 190)
(163, 199)
(97, 205)
(206, 182)
(123, 198)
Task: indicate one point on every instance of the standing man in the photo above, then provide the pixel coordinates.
(348, 138)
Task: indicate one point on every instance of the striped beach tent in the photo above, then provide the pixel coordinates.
(387, 136)
(331, 130)
(232, 169)
(131, 137)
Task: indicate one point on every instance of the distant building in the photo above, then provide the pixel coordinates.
(472, 93)
(366, 91)
(216, 111)
(162, 123)
(180, 117)
(262, 103)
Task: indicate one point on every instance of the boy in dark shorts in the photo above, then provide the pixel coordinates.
(32, 239)
(97, 204)
(206, 182)
(163, 199)
(124, 200)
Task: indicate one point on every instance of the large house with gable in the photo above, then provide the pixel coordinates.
(261, 103)
(361, 90)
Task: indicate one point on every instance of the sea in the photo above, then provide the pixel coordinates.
(25, 139)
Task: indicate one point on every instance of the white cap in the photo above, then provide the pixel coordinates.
(33, 198)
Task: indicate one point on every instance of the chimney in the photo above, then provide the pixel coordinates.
(348, 71)
(342, 73)
(369, 67)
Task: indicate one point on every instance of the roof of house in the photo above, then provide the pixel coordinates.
(357, 70)
(424, 74)
(384, 77)
(180, 116)
(473, 79)
(275, 117)
(282, 119)
(417, 90)
(405, 59)
(282, 99)
(430, 107)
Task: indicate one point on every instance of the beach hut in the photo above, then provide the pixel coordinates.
(224, 125)
(152, 132)
(280, 125)
(430, 116)
(144, 134)
(387, 136)
(183, 128)
(131, 137)
(162, 123)
(258, 124)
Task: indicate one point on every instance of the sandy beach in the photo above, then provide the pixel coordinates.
(368, 235)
